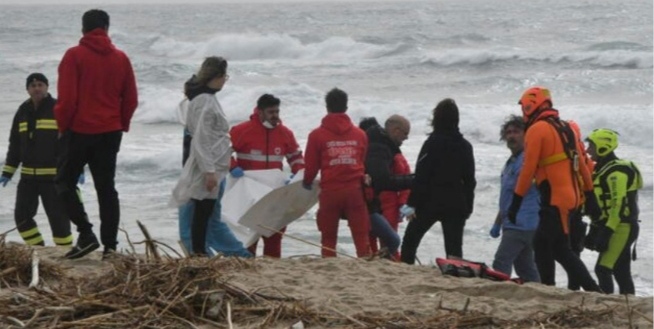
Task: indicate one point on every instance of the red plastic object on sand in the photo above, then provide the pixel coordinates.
(467, 269)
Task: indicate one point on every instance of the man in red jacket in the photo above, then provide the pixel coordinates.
(262, 143)
(97, 98)
(338, 150)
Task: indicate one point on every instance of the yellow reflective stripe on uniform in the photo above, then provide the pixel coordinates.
(38, 171)
(46, 171)
(22, 126)
(63, 241)
(552, 159)
(34, 241)
(46, 124)
(30, 232)
(9, 169)
(32, 236)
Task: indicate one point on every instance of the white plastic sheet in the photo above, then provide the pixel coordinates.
(262, 199)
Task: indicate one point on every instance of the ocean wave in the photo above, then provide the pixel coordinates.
(606, 58)
(253, 46)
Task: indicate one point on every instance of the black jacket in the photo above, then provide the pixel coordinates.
(444, 186)
(379, 165)
(33, 141)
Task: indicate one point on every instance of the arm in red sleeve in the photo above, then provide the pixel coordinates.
(294, 156)
(129, 96)
(311, 159)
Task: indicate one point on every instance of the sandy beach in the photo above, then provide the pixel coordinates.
(299, 292)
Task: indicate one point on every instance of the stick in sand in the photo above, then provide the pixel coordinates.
(35, 270)
(305, 241)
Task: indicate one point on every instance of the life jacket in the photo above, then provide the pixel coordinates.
(629, 204)
(468, 269)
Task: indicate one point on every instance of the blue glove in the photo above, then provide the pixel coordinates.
(237, 172)
(82, 179)
(290, 178)
(307, 187)
(4, 180)
(495, 231)
(407, 210)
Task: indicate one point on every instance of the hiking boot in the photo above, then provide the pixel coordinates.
(86, 243)
(109, 254)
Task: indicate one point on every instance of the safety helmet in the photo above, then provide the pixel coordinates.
(605, 140)
(532, 99)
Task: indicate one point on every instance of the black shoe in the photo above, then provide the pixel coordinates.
(85, 244)
(109, 253)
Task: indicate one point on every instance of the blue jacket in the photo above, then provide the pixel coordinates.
(527, 219)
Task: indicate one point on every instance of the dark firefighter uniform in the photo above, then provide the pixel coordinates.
(33, 148)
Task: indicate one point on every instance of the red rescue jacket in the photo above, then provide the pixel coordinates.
(258, 147)
(338, 150)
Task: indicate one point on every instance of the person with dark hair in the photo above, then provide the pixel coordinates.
(616, 182)
(338, 150)
(95, 19)
(390, 175)
(516, 248)
(552, 158)
(444, 186)
(33, 147)
(263, 142)
(97, 98)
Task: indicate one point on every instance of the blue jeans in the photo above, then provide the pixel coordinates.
(516, 250)
(219, 237)
(380, 228)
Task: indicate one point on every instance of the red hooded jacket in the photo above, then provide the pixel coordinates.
(96, 87)
(258, 147)
(338, 150)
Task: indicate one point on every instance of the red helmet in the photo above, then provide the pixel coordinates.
(532, 99)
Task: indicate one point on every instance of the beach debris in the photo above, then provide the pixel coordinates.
(146, 291)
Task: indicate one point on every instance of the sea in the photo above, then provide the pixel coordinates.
(392, 57)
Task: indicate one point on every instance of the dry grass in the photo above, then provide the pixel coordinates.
(165, 292)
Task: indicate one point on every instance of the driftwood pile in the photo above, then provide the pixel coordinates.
(164, 292)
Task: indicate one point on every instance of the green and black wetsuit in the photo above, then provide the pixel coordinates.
(616, 184)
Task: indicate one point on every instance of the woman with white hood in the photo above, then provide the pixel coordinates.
(209, 158)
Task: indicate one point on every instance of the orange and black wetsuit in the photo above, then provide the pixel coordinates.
(552, 152)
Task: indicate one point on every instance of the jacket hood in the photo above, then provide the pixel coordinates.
(192, 89)
(338, 123)
(544, 114)
(377, 134)
(98, 41)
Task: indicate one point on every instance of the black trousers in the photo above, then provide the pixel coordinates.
(552, 244)
(99, 151)
(452, 235)
(577, 236)
(199, 227)
(27, 202)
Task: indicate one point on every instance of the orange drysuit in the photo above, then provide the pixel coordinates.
(561, 180)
